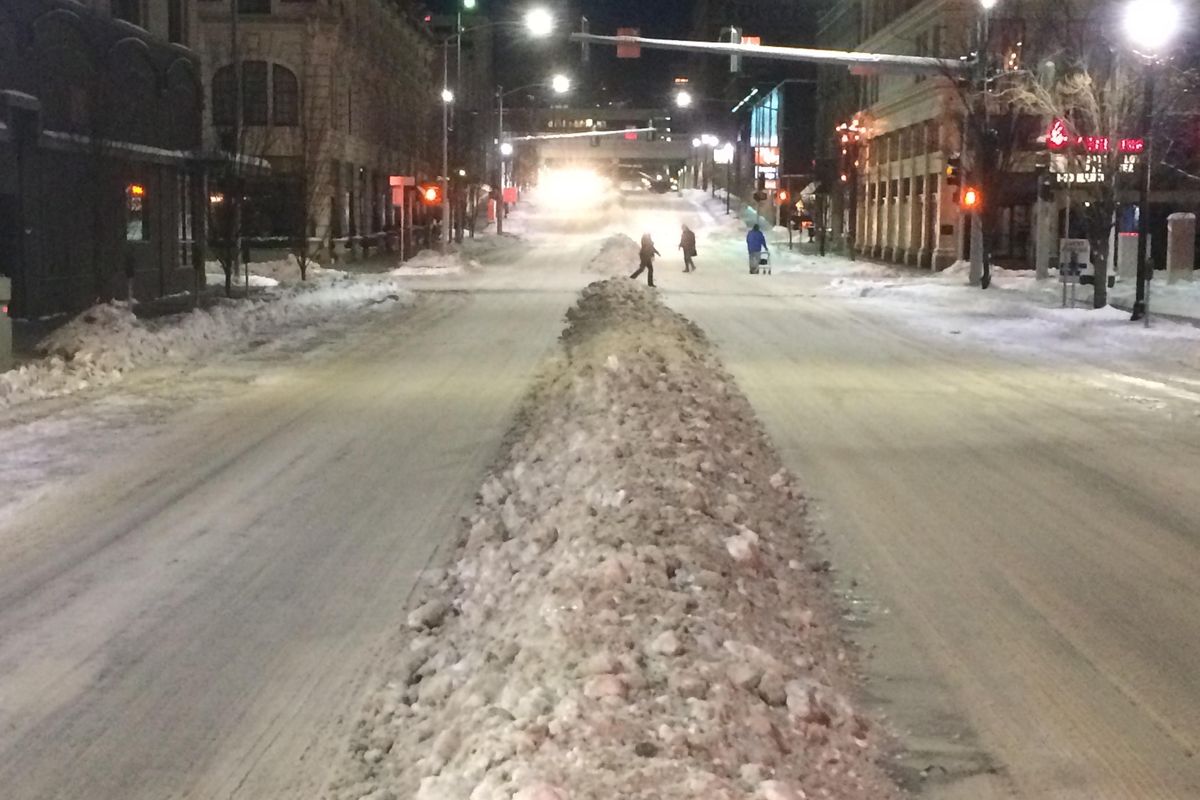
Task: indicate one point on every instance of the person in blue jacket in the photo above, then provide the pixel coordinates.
(756, 243)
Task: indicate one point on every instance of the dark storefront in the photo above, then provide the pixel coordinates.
(98, 160)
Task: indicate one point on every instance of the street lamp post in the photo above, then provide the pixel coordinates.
(537, 22)
(985, 154)
(1150, 26)
(447, 99)
(561, 84)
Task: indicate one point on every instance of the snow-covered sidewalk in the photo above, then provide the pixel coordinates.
(634, 612)
(1018, 314)
(103, 343)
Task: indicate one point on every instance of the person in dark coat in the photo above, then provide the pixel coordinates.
(647, 254)
(687, 243)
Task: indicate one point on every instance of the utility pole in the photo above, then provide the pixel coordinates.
(446, 100)
(500, 161)
(1141, 309)
(238, 123)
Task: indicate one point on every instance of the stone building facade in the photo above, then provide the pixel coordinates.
(339, 97)
(905, 208)
(100, 152)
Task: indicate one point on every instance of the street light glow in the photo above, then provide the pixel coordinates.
(696, 142)
(447, 96)
(683, 99)
(1150, 25)
(561, 84)
(539, 22)
(506, 149)
(988, 5)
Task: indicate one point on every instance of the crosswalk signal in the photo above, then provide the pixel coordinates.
(431, 194)
(972, 199)
(954, 171)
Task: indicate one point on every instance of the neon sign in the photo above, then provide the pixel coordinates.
(1059, 136)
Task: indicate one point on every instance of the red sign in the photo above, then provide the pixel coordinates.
(755, 41)
(1059, 135)
(1096, 144)
(628, 50)
(1133, 145)
(510, 194)
(631, 136)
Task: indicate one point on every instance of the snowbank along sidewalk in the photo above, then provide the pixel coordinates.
(634, 612)
(104, 342)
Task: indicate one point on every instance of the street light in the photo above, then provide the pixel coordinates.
(559, 84)
(1150, 26)
(683, 99)
(539, 22)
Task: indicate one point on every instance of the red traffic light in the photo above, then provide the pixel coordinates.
(972, 198)
(431, 194)
(784, 196)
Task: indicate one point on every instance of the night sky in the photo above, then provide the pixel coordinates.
(644, 81)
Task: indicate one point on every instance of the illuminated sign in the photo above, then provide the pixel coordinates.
(766, 156)
(1059, 135)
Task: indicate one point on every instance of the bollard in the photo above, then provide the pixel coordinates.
(1181, 246)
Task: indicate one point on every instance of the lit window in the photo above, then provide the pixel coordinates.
(135, 213)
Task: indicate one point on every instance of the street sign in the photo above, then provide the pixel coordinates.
(629, 50)
(1074, 256)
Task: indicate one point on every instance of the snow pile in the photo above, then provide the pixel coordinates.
(104, 342)
(633, 613)
(618, 256)
(431, 262)
(267, 274)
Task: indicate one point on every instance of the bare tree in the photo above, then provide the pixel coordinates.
(1064, 62)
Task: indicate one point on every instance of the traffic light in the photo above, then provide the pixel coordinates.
(954, 171)
(783, 196)
(431, 194)
(972, 199)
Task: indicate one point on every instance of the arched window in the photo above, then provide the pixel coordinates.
(270, 95)
(224, 97)
(285, 96)
(255, 95)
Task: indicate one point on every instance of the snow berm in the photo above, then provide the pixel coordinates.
(632, 612)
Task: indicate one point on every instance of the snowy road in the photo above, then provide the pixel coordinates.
(196, 616)
(1026, 532)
